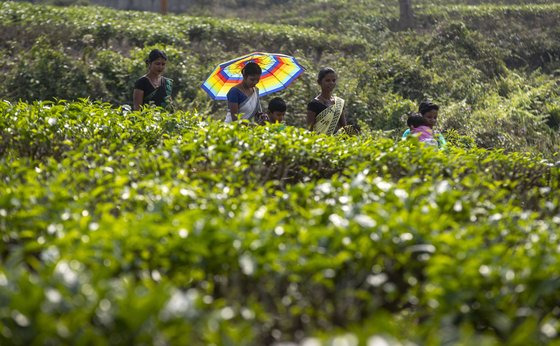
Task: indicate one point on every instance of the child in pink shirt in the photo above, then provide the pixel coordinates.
(419, 127)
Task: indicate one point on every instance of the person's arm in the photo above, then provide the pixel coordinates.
(168, 92)
(233, 110)
(405, 134)
(442, 143)
(311, 118)
(137, 99)
(233, 102)
(261, 117)
(342, 122)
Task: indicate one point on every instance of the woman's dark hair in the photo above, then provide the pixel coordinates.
(415, 120)
(251, 69)
(324, 72)
(154, 55)
(426, 106)
(277, 105)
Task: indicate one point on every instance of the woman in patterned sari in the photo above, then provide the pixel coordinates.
(325, 112)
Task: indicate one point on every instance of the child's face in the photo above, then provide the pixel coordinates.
(431, 117)
(277, 116)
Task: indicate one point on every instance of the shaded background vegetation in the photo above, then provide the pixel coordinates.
(493, 67)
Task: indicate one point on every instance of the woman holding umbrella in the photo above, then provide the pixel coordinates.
(236, 81)
(244, 97)
(325, 112)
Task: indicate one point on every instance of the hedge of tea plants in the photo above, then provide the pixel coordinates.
(155, 228)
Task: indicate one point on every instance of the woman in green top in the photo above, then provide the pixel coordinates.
(153, 88)
(429, 111)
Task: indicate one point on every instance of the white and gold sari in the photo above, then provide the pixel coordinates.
(248, 108)
(327, 121)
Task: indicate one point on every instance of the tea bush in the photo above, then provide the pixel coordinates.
(144, 227)
(49, 73)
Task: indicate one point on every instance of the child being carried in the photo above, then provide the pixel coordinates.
(420, 128)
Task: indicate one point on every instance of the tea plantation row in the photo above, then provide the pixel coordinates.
(157, 228)
(495, 83)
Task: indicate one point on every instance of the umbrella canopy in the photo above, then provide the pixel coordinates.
(279, 71)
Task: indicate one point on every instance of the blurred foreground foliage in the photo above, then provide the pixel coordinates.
(155, 228)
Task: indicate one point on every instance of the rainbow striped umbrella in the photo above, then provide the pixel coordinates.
(279, 71)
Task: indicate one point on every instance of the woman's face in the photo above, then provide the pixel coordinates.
(328, 83)
(431, 117)
(251, 80)
(158, 66)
